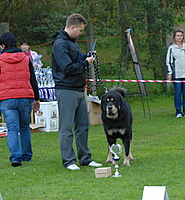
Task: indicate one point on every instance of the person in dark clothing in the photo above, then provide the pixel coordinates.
(18, 93)
(69, 73)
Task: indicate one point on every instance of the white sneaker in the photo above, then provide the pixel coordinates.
(179, 116)
(73, 167)
(94, 164)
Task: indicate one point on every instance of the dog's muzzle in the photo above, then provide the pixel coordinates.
(111, 111)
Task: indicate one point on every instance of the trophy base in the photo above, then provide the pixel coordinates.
(117, 175)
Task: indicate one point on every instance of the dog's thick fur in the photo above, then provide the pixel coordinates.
(117, 121)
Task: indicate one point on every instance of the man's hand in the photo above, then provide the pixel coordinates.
(90, 60)
(169, 77)
(36, 106)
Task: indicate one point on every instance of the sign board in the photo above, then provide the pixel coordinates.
(155, 193)
(135, 60)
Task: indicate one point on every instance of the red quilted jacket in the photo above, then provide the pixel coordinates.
(15, 76)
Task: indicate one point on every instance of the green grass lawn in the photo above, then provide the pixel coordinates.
(157, 146)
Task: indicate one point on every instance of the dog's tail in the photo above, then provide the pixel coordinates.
(121, 90)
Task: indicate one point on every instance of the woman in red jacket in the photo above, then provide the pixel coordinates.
(18, 92)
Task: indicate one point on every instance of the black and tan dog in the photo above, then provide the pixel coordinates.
(117, 121)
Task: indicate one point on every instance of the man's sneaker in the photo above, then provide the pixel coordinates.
(94, 164)
(73, 167)
(178, 115)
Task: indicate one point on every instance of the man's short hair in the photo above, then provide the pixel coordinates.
(76, 20)
(8, 40)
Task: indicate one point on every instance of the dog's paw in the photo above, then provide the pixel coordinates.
(112, 162)
(126, 164)
(126, 161)
(131, 159)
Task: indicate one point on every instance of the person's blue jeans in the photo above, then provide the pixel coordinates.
(73, 113)
(17, 117)
(179, 97)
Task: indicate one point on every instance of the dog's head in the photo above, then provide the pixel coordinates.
(111, 103)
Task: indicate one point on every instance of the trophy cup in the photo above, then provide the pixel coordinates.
(116, 149)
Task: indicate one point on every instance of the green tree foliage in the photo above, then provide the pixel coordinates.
(38, 20)
(152, 18)
(34, 20)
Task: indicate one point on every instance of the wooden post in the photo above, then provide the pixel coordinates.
(32, 117)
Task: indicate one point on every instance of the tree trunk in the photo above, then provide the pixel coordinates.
(123, 25)
(4, 27)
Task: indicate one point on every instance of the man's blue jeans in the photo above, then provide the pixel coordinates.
(17, 116)
(179, 97)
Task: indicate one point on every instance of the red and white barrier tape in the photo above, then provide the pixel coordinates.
(138, 81)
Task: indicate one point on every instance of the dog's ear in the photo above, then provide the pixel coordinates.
(103, 105)
(122, 104)
(124, 107)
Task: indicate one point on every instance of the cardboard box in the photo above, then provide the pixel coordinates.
(94, 112)
(103, 172)
(48, 116)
